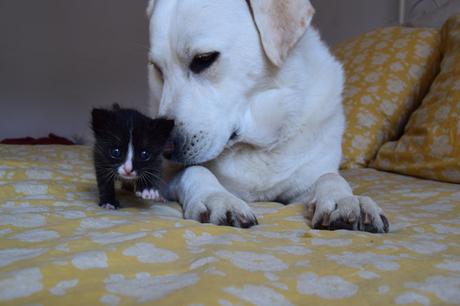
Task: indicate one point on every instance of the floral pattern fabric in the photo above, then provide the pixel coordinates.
(57, 247)
(388, 72)
(430, 146)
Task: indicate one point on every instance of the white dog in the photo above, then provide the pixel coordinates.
(256, 97)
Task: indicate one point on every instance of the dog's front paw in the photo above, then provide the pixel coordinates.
(150, 194)
(221, 208)
(350, 213)
(113, 205)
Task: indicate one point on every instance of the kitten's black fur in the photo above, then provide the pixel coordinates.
(114, 130)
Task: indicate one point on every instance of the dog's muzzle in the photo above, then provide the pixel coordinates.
(185, 149)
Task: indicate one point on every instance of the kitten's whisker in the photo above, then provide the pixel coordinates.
(155, 176)
(108, 176)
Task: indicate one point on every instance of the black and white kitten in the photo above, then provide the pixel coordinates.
(128, 147)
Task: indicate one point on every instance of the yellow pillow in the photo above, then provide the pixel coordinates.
(388, 73)
(430, 146)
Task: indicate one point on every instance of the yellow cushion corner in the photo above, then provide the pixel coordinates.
(388, 72)
(430, 146)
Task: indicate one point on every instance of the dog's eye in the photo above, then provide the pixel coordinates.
(201, 62)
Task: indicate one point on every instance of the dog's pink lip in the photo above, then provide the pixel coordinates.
(234, 138)
(234, 135)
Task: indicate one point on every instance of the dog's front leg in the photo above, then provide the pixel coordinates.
(205, 200)
(331, 205)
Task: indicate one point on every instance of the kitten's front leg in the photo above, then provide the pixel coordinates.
(106, 186)
(148, 190)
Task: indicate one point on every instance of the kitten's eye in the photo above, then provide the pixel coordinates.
(115, 153)
(201, 62)
(145, 156)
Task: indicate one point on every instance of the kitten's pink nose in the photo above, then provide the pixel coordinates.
(128, 169)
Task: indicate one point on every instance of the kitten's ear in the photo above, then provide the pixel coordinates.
(99, 119)
(162, 128)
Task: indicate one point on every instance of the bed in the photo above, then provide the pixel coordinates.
(59, 248)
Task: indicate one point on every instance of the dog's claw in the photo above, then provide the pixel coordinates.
(204, 217)
(386, 223)
(247, 223)
(228, 220)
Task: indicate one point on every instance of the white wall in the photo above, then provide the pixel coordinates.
(339, 20)
(60, 58)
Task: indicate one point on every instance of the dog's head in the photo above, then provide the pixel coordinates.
(209, 57)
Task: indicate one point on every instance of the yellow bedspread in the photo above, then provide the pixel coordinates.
(58, 248)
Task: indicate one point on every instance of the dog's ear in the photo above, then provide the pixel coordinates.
(150, 8)
(281, 24)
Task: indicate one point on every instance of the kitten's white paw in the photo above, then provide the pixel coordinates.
(150, 194)
(108, 206)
